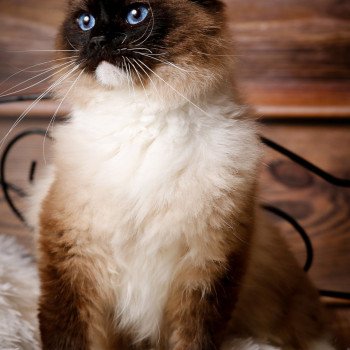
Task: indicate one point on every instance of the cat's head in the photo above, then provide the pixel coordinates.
(165, 46)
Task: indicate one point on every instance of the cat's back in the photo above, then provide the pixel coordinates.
(277, 301)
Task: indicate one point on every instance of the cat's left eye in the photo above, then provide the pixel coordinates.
(86, 21)
(137, 14)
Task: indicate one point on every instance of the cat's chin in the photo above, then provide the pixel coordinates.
(110, 76)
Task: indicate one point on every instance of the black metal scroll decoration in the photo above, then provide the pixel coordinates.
(7, 187)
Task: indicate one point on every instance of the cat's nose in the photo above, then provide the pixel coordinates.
(97, 42)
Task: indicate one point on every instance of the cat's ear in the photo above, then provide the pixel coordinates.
(210, 4)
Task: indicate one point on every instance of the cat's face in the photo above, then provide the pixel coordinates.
(177, 43)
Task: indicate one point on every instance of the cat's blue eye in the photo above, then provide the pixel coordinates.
(137, 14)
(86, 22)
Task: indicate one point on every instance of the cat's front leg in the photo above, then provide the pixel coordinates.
(201, 308)
(63, 316)
(74, 313)
(72, 306)
(195, 325)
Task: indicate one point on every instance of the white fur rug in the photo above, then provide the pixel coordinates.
(19, 291)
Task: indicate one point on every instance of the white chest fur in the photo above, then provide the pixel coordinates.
(145, 179)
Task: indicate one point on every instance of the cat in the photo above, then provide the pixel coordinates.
(149, 231)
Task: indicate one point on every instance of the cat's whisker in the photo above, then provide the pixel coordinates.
(32, 105)
(149, 77)
(33, 66)
(171, 87)
(44, 70)
(140, 48)
(140, 79)
(52, 120)
(71, 45)
(158, 54)
(125, 37)
(131, 79)
(127, 74)
(47, 70)
(8, 92)
(166, 62)
(150, 52)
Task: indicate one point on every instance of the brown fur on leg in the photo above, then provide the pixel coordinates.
(199, 316)
(68, 292)
(63, 320)
(207, 290)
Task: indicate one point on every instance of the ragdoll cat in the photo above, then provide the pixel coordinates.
(149, 232)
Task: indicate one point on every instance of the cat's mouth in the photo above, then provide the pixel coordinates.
(115, 58)
(114, 67)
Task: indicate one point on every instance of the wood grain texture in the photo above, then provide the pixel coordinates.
(323, 209)
(292, 56)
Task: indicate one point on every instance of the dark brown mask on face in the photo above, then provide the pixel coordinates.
(139, 36)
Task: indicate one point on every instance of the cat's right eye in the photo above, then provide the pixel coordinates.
(86, 22)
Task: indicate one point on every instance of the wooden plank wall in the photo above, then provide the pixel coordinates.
(292, 56)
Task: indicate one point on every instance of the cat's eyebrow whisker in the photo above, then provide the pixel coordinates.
(144, 33)
(52, 120)
(8, 92)
(35, 65)
(179, 93)
(140, 78)
(151, 31)
(32, 105)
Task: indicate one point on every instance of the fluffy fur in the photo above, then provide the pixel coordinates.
(149, 232)
(19, 291)
(163, 166)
